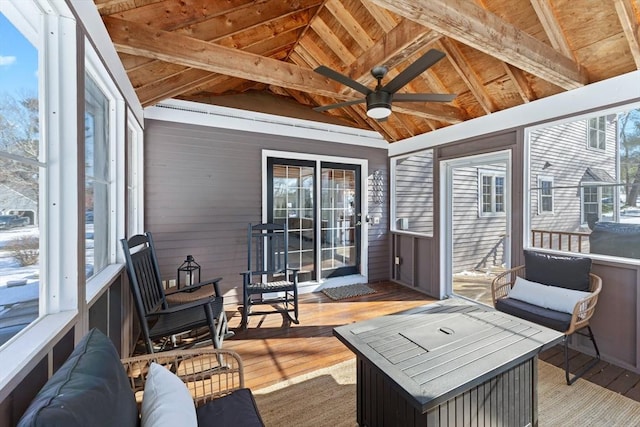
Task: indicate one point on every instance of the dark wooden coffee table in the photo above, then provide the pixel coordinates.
(454, 362)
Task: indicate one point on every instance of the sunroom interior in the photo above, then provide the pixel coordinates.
(183, 119)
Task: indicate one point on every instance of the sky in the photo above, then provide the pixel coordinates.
(18, 61)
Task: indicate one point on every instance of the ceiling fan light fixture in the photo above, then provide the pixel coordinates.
(379, 105)
(379, 112)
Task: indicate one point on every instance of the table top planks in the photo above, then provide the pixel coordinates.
(435, 352)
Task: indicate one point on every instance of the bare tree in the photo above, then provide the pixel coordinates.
(630, 156)
(19, 143)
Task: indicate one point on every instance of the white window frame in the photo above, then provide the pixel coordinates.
(51, 27)
(135, 178)
(98, 283)
(599, 195)
(399, 224)
(600, 143)
(493, 175)
(541, 210)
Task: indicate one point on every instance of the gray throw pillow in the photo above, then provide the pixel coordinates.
(91, 388)
(564, 271)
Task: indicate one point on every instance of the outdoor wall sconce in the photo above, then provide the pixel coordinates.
(188, 270)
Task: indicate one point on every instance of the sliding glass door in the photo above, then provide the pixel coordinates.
(300, 192)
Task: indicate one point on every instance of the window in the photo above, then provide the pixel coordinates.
(597, 203)
(412, 193)
(597, 132)
(491, 192)
(20, 176)
(97, 180)
(545, 195)
(582, 187)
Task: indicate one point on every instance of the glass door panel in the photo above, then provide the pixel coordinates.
(340, 213)
(293, 201)
(294, 196)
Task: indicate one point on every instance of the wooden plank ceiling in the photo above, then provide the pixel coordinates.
(499, 53)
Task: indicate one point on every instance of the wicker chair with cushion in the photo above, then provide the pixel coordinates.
(213, 377)
(558, 292)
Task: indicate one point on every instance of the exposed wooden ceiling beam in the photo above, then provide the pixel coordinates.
(628, 16)
(466, 73)
(349, 23)
(381, 15)
(267, 14)
(393, 48)
(175, 85)
(332, 40)
(547, 17)
(108, 7)
(520, 82)
(137, 39)
(474, 26)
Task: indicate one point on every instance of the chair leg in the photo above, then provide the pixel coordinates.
(584, 369)
(245, 310)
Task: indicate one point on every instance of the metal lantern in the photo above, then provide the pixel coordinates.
(188, 270)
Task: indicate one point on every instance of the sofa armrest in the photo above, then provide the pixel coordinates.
(208, 373)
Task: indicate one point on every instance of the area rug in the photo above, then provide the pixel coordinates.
(348, 291)
(327, 397)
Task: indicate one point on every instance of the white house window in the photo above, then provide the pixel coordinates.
(491, 193)
(597, 132)
(545, 195)
(597, 203)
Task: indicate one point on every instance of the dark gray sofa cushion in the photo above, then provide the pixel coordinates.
(237, 409)
(91, 388)
(534, 313)
(558, 270)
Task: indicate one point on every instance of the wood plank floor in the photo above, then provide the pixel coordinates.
(273, 352)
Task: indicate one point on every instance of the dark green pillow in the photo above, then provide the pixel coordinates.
(564, 271)
(91, 388)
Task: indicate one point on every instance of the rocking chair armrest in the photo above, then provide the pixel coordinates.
(196, 286)
(188, 305)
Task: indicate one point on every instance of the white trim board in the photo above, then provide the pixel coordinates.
(617, 90)
(196, 113)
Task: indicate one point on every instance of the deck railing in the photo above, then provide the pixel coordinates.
(560, 240)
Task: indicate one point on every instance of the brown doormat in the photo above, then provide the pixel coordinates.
(348, 291)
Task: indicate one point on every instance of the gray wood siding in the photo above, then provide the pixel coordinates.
(414, 192)
(561, 152)
(204, 185)
(475, 236)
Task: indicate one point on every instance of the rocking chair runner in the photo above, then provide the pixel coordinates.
(268, 273)
(159, 319)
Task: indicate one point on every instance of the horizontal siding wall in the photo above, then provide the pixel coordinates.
(476, 239)
(203, 185)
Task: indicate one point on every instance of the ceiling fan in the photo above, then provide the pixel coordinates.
(379, 99)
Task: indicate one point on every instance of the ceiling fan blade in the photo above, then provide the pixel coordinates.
(423, 97)
(340, 104)
(413, 70)
(341, 78)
